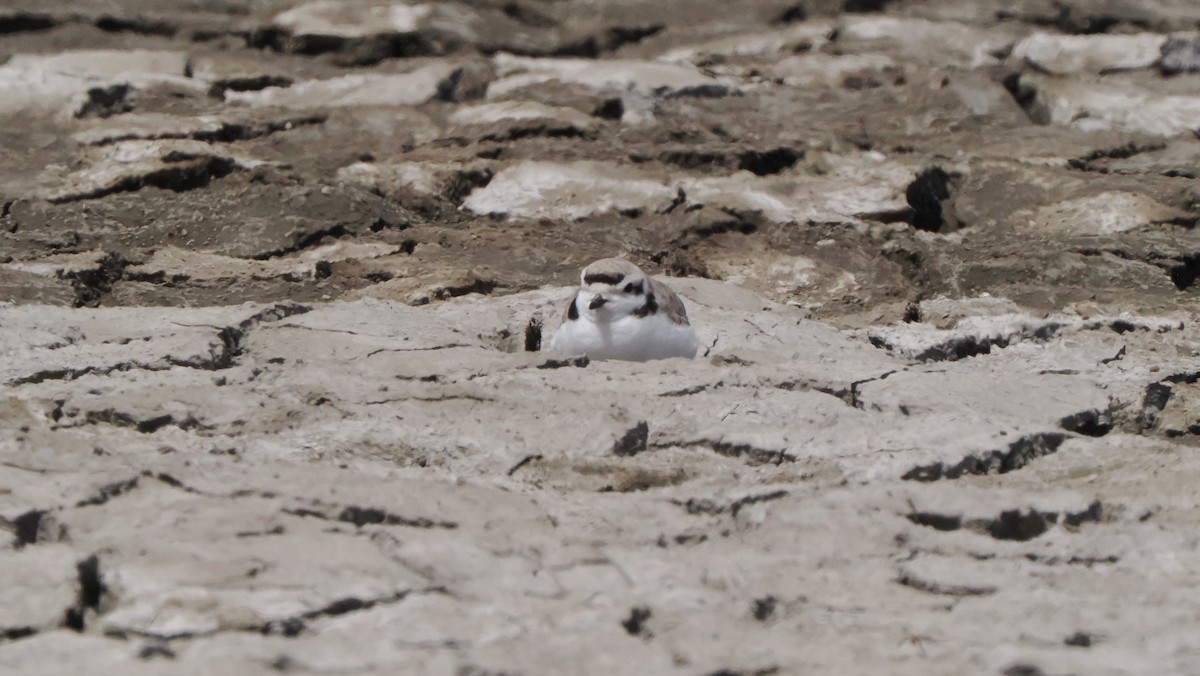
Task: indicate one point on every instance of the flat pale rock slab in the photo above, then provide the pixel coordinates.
(91, 341)
(59, 83)
(823, 69)
(950, 338)
(353, 19)
(151, 126)
(266, 480)
(538, 189)
(848, 187)
(129, 165)
(422, 179)
(488, 113)
(940, 42)
(368, 89)
(325, 25)
(647, 78)
(811, 34)
(179, 265)
(846, 404)
(48, 589)
(1105, 213)
(377, 473)
(1068, 54)
(1123, 106)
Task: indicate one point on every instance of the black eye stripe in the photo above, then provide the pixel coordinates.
(635, 288)
(603, 278)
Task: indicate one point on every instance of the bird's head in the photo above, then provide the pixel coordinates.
(610, 289)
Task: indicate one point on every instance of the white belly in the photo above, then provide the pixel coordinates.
(628, 338)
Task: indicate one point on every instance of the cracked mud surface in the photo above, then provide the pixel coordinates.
(274, 277)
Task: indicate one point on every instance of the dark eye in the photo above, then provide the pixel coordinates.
(634, 288)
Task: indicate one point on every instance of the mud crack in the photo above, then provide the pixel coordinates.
(1017, 455)
(306, 240)
(16, 633)
(1010, 524)
(247, 84)
(26, 22)
(140, 26)
(1090, 162)
(69, 374)
(847, 395)
(695, 389)
(363, 516)
(222, 353)
(608, 40)
(769, 162)
(577, 362)
(351, 604)
(1091, 423)
(534, 129)
(148, 425)
(108, 492)
(225, 353)
(633, 441)
(908, 579)
(356, 51)
(754, 455)
(763, 671)
(227, 132)
(180, 173)
(28, 528)
(91, 592)
(853, 395)
(294, 625)
(964, 347)
(711, 507)
(635, 624)
(523, 462)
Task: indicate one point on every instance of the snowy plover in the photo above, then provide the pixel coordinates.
(621, 313)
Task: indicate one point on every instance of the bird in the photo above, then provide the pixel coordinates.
(620, 312)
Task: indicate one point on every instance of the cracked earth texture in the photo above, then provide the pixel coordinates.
(274, 278)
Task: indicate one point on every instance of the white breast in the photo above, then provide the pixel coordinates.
(629, 338)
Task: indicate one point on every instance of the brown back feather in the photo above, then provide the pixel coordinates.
(668, 303)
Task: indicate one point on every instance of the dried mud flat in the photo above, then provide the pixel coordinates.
(274, 276)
